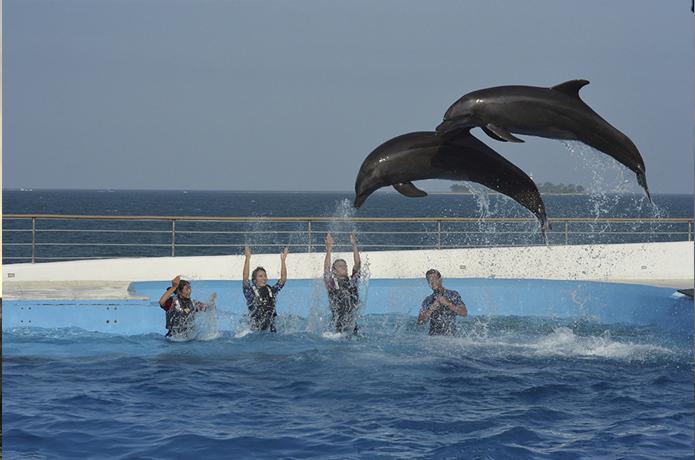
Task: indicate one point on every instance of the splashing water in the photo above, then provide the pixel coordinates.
(483, 212)
(612, 186)
(492, 205)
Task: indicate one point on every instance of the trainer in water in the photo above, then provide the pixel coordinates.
(555, 113)
(343, 295)
(261, 299)
(181, 309)
(425, 155)
(441, 307)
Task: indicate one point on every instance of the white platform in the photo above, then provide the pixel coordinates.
(659, 264)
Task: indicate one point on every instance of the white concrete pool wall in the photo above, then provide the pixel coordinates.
(661, 264)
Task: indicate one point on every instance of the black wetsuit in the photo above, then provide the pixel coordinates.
(261, 303)
(442, 319)
(344, 299)
(179, 316)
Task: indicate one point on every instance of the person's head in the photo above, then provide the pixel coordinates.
(184, 289)
(434, 279)
(259, 277)
(340, 268)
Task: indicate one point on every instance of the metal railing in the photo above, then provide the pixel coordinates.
(66, 237)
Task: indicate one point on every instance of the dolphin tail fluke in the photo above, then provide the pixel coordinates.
(359, 201)
(545, 228)
(642, 181)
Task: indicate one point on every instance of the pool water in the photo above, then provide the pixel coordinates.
(538, 370)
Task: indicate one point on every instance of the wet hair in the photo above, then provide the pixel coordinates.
(336, 261)
(255, 272)
(182, 284)
(432, 271)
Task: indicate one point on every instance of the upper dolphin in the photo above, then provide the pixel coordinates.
(425, 155)
(557, 113)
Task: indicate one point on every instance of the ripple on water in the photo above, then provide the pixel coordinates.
(524, 388)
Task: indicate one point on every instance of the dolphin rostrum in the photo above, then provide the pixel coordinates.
(426, 155)
(556, 113)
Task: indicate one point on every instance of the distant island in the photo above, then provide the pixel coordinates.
(545, 187)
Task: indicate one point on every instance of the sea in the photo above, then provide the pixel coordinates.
(504, 387)
(66, 240)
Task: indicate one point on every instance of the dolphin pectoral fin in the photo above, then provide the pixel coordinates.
(571, 88)
(409, 190)
(493, 135)
(501, 133)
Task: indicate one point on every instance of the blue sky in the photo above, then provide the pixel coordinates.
(278, 95)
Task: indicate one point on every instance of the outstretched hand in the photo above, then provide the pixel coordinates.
(284, 253)
(247, 251)
(175, 282)
(329, 241)
(353, 238)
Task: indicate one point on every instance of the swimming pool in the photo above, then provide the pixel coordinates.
(540, 369)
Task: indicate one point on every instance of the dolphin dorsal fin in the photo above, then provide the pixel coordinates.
(571, 88)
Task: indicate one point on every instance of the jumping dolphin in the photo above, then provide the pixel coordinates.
(555, 113)
(426, 155)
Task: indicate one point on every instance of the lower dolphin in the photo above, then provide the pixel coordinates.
(426, 155)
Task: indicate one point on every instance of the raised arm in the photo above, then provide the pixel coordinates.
(355, 253)
(167, 294)
(329, 250)
(247, 263)
(283, 266)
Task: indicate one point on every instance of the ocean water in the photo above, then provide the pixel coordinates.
(505, 387)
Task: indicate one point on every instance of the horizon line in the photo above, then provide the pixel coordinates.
(384, 191)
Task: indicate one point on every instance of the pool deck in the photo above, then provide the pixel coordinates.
(652, 264)
(69, 290)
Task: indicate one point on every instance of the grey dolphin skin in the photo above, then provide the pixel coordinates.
(556, 113)
(426, 155)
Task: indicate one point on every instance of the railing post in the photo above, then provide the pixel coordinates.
(566, 233)
(439, 234)
(173, 237)
(33, 240)
(309, 235)
(690, 230)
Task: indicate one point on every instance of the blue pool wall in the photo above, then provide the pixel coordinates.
(602, 302)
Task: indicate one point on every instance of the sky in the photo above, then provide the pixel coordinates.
(293, 95)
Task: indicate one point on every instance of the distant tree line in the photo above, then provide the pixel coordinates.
(549, 187)
(545, 187)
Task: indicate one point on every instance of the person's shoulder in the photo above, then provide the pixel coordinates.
(329, 280)
(277, 286)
